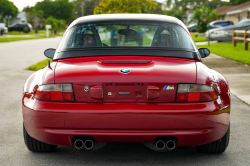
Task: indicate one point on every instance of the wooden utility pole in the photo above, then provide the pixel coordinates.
(82, 8)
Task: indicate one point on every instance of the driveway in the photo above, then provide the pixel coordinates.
(236, 73)
(16, 56)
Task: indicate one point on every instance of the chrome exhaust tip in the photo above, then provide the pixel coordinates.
(88, 144)
(160, 145)
(163, 144)
(79, 144)
(170, 145)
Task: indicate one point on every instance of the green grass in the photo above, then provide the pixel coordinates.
(17, 36)
(227, 50)
(11, 39)
(39, 65)
(198, 38)
(41, 32)
(146, 40)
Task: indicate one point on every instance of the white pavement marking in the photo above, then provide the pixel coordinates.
(204, 43)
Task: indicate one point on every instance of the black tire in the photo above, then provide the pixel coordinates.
(216, 147)
(35, 145)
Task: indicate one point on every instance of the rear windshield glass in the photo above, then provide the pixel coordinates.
(126, 34)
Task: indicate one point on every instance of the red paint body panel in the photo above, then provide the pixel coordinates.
(141, 118)
(88, 69)
(42, 76)
(192, 123)
(211, 77)
(95, 71)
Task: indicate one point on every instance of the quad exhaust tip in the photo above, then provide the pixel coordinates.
(86, 145)
(170, 145)
(160, 145)
(163, 145)
(79, 144)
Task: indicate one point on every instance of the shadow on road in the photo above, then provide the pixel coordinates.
(127, 153)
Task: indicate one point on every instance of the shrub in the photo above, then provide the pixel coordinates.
(26, 30)
(36, 30)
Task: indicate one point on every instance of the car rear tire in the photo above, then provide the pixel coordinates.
(35, 145)
(216, 147)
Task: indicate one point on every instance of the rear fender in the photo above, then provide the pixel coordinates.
(211, 77)
(42, 76)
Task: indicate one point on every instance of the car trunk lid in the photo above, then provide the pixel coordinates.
(150, 79)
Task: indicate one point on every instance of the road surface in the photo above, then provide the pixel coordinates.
(16, 56)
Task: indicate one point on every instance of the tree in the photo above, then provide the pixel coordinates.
(184, 5)
(7, 9)
(178, 8)
(84, 7)
(60, 25)
(214, 4)
(176, 13)
(35, 17)
(56, 24)
(158, 9)
(201, 16)
(173, 4)
(28, 9)
(237, 2)
(125, 6)
(59, 9)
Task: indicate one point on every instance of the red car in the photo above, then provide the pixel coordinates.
(97, 90)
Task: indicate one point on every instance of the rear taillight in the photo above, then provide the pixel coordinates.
(55, 92)
(195, 93)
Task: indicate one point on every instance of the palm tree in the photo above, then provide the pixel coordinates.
(174, 4)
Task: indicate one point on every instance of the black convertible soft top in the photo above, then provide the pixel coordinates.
(109, 51)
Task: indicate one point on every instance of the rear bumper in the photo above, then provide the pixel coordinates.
(192, 123)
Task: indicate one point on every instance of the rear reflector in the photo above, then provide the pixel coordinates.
(55, 92)
(195, 93)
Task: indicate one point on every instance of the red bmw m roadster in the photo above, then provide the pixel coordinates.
(126, 78)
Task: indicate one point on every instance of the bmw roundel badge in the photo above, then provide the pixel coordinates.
(86, 88)
(125, 71)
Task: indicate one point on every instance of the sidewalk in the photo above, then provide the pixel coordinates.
(205, 42)
(236, 73)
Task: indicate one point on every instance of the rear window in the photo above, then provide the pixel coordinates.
(126, 34)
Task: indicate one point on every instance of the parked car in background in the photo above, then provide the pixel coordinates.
(220, 23)
(192, 27)
(20, 27)
(3, 30)
(212, 25)
(225, 33)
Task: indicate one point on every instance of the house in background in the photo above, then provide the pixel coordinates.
(235, 13)
(20, 18)
(189, 15)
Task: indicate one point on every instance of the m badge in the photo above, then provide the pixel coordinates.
(168, 87)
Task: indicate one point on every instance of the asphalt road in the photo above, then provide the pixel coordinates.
(16, 56)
